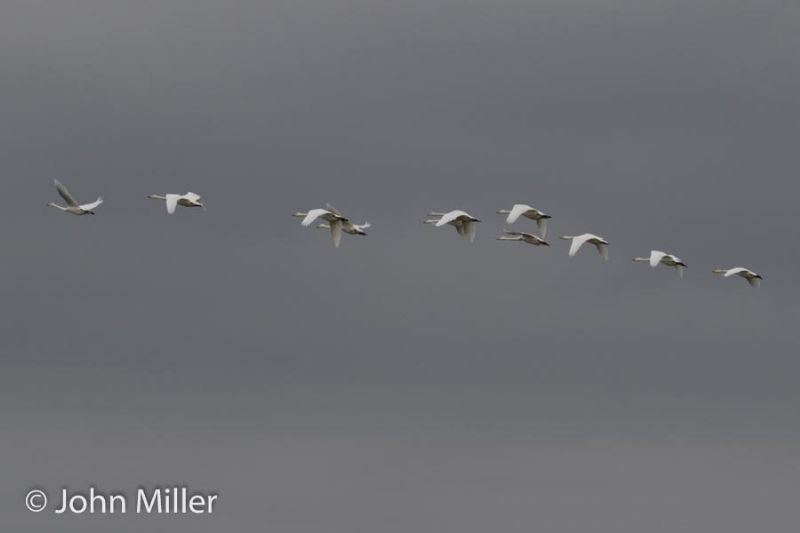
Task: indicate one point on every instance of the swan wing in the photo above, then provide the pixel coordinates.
(89, 207)
(172, 202)
(656, 257)
(602, 249)
(448, 218)
(681, 269)
(470, 230)
(336, 232)
(754, 282)
(65, 194)
(192, 197)
(541, 223)
(577, 242)
(313, 215)
(516, 212)
(733, 272)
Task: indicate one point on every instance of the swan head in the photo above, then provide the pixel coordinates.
(543, 215)
(51, 204)
(299, 214)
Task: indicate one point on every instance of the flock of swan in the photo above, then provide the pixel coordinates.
(465, 224)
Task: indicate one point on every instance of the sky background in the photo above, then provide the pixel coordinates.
(408, 381)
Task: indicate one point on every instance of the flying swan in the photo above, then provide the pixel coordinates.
(528, 212)
(577, 241)
(529, 238)
(189, 199)
(663, 258)
(335, 222)
(72, 206)
(752, 278)
(461, 220)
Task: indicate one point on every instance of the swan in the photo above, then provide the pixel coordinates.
(577, 241)
(529, 238)
(72, 206)
(189, 199)
(657, 257)
(752, 278)
(349, 228)
(335, 221)
(528, 212)
(461, 220)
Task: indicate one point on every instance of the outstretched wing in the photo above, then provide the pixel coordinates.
(754, 282)
(333, 210)
(336, 232)
(516, 212)
(65, 194)
(448, 217)
(172, 202)
(89, 207)
(656, 257)
(313, 215)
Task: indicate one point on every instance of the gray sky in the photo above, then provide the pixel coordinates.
(408, 381)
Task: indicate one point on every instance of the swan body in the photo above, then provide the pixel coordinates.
(657, 257)
(528, 212)
(461, 220)
(189, 199)
(752, 278)
(578, 240)
(72, 206)
(521, 236)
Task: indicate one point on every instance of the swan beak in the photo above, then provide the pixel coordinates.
(545, 244)
(546, 216)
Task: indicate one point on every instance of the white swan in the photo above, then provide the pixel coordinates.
(577, 241)
(461, 220)
(189, 199)
(529, 238)
(657, 257)
(528, 212)
(349, 228)
(752, 278)
(72, 206)
(336, 221)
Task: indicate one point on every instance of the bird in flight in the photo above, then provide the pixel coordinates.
(334, 221)
(752, 278)
(461, 220)
(578, 240)
(657, 257)
(521, 236)
(528, 212)
(72, 206)
(189, 199)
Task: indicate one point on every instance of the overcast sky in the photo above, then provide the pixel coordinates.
(408, 381)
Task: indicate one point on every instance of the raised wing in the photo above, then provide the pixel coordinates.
(172, 202)
(448, 218)
(336, 232)
(333, 210)
(577, 242)
(192, 197)
(516, 212)
(313, 215)
(656, 257)
(89, 207)
(65, 194)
